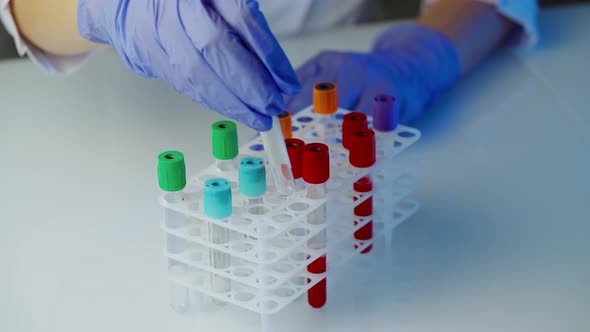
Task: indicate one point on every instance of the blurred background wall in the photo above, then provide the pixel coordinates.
(390, 9)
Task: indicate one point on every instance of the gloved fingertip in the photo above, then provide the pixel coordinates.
(261, 123)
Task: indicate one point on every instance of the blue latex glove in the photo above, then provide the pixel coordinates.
(220, 53)
(414, 63)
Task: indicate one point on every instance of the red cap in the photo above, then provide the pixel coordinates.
(316, 163)
(362, 148)
(352, 122)
(295, 150)
(363, 185)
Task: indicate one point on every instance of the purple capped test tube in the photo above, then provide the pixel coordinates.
(385, 120)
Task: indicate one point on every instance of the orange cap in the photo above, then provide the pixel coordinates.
(325, 98)
(286, 125)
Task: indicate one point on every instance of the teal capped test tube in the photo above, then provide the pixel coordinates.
(252, 182)
(218, 206)
(172, 180)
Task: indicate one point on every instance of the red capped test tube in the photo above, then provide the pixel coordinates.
(352, 122)
(316, 172)
(363, 155)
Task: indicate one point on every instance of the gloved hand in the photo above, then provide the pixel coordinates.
(220, 53)
(414, 63)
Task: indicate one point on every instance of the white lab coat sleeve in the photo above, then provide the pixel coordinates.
(52, 64)
(522, 12)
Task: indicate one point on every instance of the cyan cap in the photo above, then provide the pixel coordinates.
(217, 198)
(252, 176)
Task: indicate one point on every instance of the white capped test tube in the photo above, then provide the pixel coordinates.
(295, 151)
(217, 202)
(316, 172)
(279, 164)
(172, 180)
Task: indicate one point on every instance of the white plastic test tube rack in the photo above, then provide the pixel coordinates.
(268, 242)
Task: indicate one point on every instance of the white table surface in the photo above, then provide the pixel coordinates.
(500, 244)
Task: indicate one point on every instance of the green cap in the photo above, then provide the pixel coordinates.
(171, 171)
(224, 139)
(252, 176)
(217, 198)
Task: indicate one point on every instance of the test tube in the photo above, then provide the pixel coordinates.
(352, 122)
(252, 182)
(316, 172)
(325, 104)
(278, 160)
(295, 151)
(363, 155)
(364, 210)
(286, 124)
(218, 205)
(385, 120)
(224, 141)
(172, 180)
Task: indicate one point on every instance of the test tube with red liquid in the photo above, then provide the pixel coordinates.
(316, 172)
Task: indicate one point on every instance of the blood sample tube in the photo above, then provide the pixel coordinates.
(286, 124)
(316, 172)
(172, 180)
(252, 182)
(325, 104)
(352, 122)
(385, 120)
(218, 205)
(364, 210)
(224, 141)
(363, 155)
(295, 151)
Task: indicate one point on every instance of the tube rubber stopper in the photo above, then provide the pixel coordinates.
(385, 115)
(171, 171)
(351, 122)
(217, 198)
(252, 176)
(286, 124)
(295, 151)
(362, 148)
(325, 98)
(224, 140)
(316, 163)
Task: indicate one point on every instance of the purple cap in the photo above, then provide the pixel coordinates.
(385, 116)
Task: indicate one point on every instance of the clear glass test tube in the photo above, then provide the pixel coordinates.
(252, 183)
(295, 152)
(316, 173)
(218, 206)
(172, 181)
(385, 121)
(224, 143)
(364, 211)
(279, 164)
(362, 148)
(325, 105)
